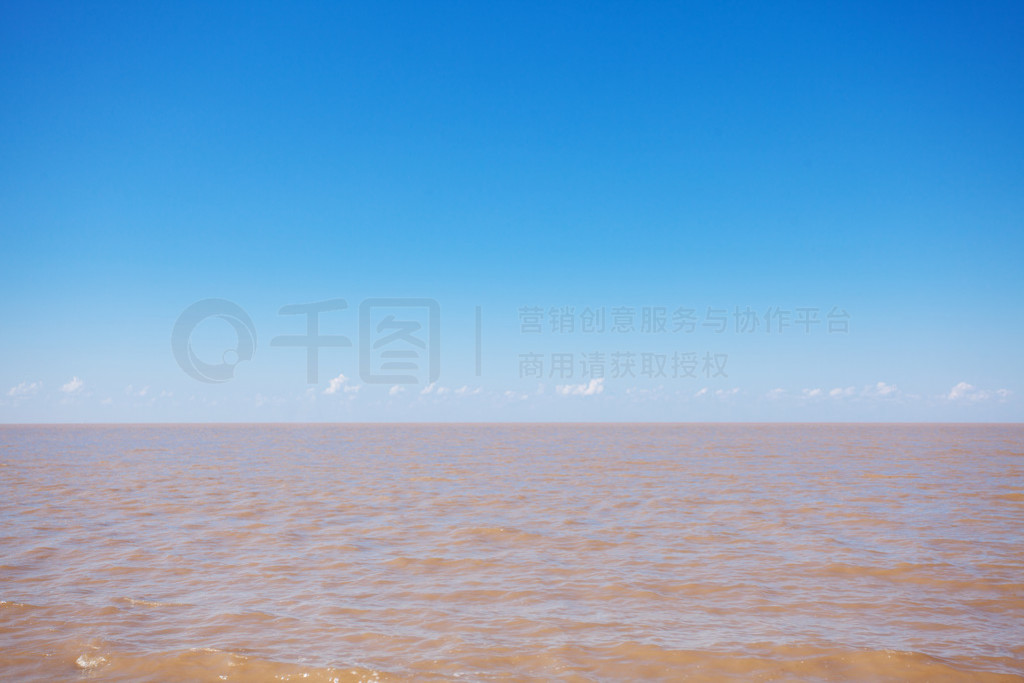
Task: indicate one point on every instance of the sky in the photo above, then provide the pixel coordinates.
(541, 211)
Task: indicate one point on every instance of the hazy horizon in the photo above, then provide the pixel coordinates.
(521, 422)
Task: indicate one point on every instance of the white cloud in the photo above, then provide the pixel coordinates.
(707, 392)
(516, 395)
(877, 390)
(464, 390)
(880, 390)
(396, 389)
(592, 388)
(963, 390)
(641, 394)
(341, 383)
(72, 386)
(434, 388)
(24, 389)
(968, 392)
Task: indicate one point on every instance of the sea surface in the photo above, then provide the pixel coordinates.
(700, 552)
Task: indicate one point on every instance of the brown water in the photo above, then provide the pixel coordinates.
(501, 552)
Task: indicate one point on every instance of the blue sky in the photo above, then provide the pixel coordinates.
(858, 159)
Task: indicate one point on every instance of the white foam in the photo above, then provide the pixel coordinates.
(86, 661)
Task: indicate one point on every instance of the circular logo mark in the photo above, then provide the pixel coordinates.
(181, 344)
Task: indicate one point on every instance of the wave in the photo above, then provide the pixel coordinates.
(626, 661)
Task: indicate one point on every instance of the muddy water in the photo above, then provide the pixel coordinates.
(504, 552)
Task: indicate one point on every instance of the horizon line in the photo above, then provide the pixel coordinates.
(508, 422)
